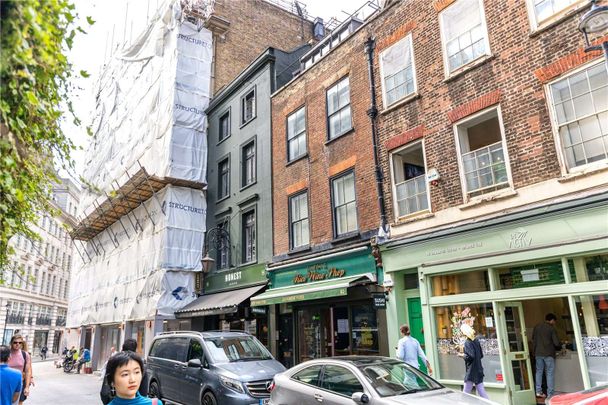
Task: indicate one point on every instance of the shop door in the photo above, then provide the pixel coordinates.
(515, 341)
(286, 340)
(414, 311)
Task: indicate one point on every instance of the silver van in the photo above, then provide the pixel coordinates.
(210, 368)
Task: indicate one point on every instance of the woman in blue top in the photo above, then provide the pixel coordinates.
(124, 374)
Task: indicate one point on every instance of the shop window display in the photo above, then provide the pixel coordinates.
(593, 318)
(531, 275)
(461, 283)
(591, 268)
(365, 330)
(450, 340)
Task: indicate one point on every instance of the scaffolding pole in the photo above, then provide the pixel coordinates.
(108, 227)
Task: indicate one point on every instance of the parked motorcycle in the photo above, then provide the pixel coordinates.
(68, 363)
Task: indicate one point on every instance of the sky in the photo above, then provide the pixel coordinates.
(118, 19)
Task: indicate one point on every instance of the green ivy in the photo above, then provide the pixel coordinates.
(34, 77)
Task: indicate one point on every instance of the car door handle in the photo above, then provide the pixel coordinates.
(176, 366)
(319, 397)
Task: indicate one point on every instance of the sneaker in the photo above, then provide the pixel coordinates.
(540, 395)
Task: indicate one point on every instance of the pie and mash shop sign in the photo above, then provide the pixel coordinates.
(318, 272)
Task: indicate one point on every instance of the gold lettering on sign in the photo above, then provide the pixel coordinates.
(299, 279)
(315, 276)
(336, 273)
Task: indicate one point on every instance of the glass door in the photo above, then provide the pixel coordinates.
(520, 382)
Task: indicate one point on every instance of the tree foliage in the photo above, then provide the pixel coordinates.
(34, 82)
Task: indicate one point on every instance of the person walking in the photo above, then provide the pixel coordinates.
(124, 374)
(409, 350)
(20, 360)
(43, 351)
(11, 381)
(472, 355)
(106, 393)
(544, 343)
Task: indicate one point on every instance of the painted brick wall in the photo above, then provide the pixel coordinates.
(254, 26)
(325, 159)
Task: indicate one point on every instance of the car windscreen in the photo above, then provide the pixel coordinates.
(236, 348)
(397, 378)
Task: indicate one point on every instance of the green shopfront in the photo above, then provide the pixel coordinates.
(503, 276)
(225, 304)
(325, 307)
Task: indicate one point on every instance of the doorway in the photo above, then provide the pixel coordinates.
(414, 316)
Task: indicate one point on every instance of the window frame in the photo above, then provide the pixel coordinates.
(304, 133)
(409, 39)
(291, 223)
(505, 151)
(253, 91)
(328, 115)
(223, 223)
(226, 114)
(474, 62)
(555, 125)
(226, 158)
(243, 172)
(403, 148)
(341, 175)
(252, 210)
(342, 371)
(536, 25)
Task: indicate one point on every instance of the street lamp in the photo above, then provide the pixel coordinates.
(595, 20)
(218, 239)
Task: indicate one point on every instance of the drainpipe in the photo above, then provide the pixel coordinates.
(373, 115)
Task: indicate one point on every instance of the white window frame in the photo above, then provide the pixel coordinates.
(338, 110)
(555, 126)
(334, 208)
(298, 135)
(254, 245)
(484, 27)
(407, 38)
(463, 182)
(536, 25)
(291, 198)
(394, 182)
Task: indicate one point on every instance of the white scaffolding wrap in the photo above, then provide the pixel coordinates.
(143, 265)
(151, 105)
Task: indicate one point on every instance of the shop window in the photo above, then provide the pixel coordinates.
(296, 134)
(461, 283)
(591, 268)
(298, 219)
(450, 340)
(410, 281)
(397, 67)
(344, 204)
(580, 108)
(532, 275)
(593, 317)
(223, 246)
(338, 109)
(464, 34)
(410, 181)
(364, 330)
(482, 153)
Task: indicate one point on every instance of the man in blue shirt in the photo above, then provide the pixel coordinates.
(10, 380)
(409, 350)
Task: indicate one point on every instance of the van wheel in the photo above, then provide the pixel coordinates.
(154, 390)
(209, 398)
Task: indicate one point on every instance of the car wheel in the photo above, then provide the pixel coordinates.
(209, 398)
(154, 390)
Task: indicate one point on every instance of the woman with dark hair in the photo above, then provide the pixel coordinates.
(124, 374)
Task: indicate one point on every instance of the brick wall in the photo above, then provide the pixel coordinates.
(254, 26)
(513, 77)
(325, 159)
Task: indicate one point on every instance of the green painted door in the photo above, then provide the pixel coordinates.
(414, 312)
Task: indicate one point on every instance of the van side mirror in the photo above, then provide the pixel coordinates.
(360, 398)
(195, 363)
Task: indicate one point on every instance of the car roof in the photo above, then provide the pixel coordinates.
(357, 361)
(205, 334)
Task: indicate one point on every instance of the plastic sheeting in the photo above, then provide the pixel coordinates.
(136, 275)
(150, 105)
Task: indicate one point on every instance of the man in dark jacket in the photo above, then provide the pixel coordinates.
(544, 343)
(106, 392)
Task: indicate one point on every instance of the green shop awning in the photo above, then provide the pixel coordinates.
(310, 291)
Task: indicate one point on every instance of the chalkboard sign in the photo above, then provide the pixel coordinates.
(379, 301)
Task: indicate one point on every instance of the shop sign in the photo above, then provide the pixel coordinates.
(258, 310)
(379, 301)
(318, 272)
(239, 277)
